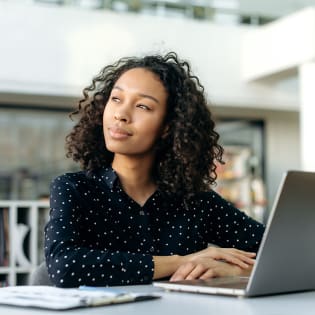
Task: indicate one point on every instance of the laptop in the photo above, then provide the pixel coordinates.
(285, 261)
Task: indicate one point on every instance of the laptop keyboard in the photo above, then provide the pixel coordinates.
(224, 282)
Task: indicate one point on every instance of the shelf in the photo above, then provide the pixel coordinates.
(24, 203)
(23, 232)
(23, 269)
(237, 183)
(4, 270)
(232, 180)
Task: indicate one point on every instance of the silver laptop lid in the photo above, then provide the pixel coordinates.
(286, 258)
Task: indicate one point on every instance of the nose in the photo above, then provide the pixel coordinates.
(120, 117)
(122, 114)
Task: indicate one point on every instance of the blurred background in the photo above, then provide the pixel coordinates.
(253, 57)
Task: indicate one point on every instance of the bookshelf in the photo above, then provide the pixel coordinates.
(21, 239)
(239, 182)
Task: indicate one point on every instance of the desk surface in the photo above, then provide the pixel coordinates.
(189, 303)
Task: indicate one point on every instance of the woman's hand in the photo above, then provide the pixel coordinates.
(231, 255)
(214, 262)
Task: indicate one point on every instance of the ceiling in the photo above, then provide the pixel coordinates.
(268, 9)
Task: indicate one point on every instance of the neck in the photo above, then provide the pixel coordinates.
(135, 176)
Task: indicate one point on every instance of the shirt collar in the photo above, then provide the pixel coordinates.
(108, 176)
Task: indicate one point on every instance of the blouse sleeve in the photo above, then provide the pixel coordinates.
(70, 264)
(230, 227)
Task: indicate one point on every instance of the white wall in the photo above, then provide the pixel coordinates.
(55, 51)
(279, 46)
(282, 146)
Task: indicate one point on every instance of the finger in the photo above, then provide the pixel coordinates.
(196, 272)
(230, 256)
(220, 253)
(242, 252)
(183, 271)
(246, 256)
(227, 249)
(241, 261)
(221, 270)
(210, 273)
(235, 256)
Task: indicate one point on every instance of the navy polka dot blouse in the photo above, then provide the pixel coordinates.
(97, 235)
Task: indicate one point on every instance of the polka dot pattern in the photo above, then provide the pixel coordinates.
(97, 235)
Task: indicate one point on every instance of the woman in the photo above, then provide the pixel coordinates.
(143, 208)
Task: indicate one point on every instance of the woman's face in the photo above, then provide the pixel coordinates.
(134, 114)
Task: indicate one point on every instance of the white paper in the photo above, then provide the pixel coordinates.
(58, 298)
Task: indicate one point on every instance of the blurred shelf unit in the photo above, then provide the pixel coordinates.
(238, 182)
(21, 239)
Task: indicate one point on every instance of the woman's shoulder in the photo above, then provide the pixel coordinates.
(70, 177)
(209, 195)
(85, 178)
(213, 200)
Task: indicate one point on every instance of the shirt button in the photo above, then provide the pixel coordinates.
(151, 249)
(141, 212)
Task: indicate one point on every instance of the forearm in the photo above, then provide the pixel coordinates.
(83, 266)
(165, 266)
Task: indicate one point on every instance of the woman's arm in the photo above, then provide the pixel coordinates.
(229, 226)
(70, 261)
(165, 266)
(209, 262)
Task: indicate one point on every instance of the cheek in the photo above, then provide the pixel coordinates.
(153, 129)
(106, 115)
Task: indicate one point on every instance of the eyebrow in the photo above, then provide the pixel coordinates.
(140, 94)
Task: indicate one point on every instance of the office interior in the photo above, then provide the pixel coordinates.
(254, 59)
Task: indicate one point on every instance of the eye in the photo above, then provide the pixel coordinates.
(115, 99)
(144, 106)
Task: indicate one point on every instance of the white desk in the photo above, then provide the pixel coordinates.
(194, 304)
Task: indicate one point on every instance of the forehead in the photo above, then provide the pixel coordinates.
(140, 78)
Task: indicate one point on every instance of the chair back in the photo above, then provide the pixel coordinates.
(40, 276)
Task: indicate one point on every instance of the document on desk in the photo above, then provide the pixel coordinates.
(53, 298)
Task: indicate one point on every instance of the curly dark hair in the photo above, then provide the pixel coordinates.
(186, 155)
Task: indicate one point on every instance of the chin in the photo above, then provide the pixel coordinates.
(128, 152)
(124, 148)
(119, 149)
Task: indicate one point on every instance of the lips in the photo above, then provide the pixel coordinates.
(119, 132)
